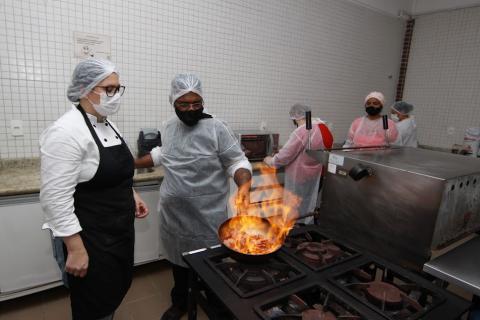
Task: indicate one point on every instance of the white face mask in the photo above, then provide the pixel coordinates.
(395, 117)
(108, 105)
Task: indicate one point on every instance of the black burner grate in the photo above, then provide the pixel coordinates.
(313, 302)
(317, 251)
(393, 295)
(248, 279)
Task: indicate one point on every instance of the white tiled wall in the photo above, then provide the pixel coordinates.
(256, 58)
(443, 76)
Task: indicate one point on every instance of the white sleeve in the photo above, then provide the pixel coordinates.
(245, 164)
(229, 150)
(61, 158)
(156, 155)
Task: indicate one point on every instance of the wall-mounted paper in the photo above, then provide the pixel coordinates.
(92, 45)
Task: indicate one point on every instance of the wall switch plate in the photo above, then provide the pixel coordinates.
(17, 128)
(263, 126)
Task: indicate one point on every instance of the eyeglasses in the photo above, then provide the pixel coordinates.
(110, 91)
(183, 106)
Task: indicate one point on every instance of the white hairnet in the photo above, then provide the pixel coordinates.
(184, 83)
(402, 107)
(297, 111)
(377, 95)
(88, 74)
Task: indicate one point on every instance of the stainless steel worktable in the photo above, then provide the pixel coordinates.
(460, 266)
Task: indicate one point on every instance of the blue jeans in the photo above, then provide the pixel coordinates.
(59, 255)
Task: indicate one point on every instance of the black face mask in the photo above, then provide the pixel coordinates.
(372, 111)
(191, 118)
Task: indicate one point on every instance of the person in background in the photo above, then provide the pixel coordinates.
(199, 154)
(368, 130)
(406, 125)
(86, 192)
(302, 172)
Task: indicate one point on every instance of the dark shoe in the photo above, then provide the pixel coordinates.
(175, 312)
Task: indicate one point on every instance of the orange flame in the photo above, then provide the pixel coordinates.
(265, 223)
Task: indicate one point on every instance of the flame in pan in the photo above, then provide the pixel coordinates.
(250, 234)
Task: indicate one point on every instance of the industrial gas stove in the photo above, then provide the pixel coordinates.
(312, 277)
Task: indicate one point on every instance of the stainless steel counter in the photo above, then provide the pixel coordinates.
(460, 266)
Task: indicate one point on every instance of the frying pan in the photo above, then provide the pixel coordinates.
(258, 225)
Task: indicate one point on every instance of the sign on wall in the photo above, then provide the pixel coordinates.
(91, 45)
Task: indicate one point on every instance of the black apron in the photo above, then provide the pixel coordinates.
(105, 208)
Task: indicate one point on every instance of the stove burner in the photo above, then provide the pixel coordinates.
(323, 252)
(312, 303)
(393, 295)
(317, 251)
(253, 277)
(250, 279)
(380, 292)
(317, 314)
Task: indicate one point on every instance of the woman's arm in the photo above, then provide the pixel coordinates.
(290, 150)
(77, 258)
(61, 157)
(350, 136)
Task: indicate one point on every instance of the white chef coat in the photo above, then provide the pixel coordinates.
(69, 155)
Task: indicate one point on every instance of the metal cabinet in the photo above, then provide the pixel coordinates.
(27, 263)
(147, 230)
(25, 249)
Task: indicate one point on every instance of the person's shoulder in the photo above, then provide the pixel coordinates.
(218, 123)
(70, 119)
(172, 121)
(70, 125)
(357, 121)
(391, 122)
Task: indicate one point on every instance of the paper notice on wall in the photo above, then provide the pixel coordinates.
(91, 45)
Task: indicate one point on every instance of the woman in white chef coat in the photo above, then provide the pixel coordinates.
(86, 192)
(406, 125)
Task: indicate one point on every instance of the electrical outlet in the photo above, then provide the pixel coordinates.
(17, 128)
(450, 131)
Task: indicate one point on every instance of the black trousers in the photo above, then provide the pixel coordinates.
(179, 291)
(179, 294)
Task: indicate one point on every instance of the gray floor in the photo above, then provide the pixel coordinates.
(147, 299)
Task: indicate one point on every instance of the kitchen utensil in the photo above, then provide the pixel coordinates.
(263, 227)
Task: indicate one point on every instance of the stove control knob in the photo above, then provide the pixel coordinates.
(360, 171)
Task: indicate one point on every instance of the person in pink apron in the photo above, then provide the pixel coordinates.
(368, 130)
(302, 172)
